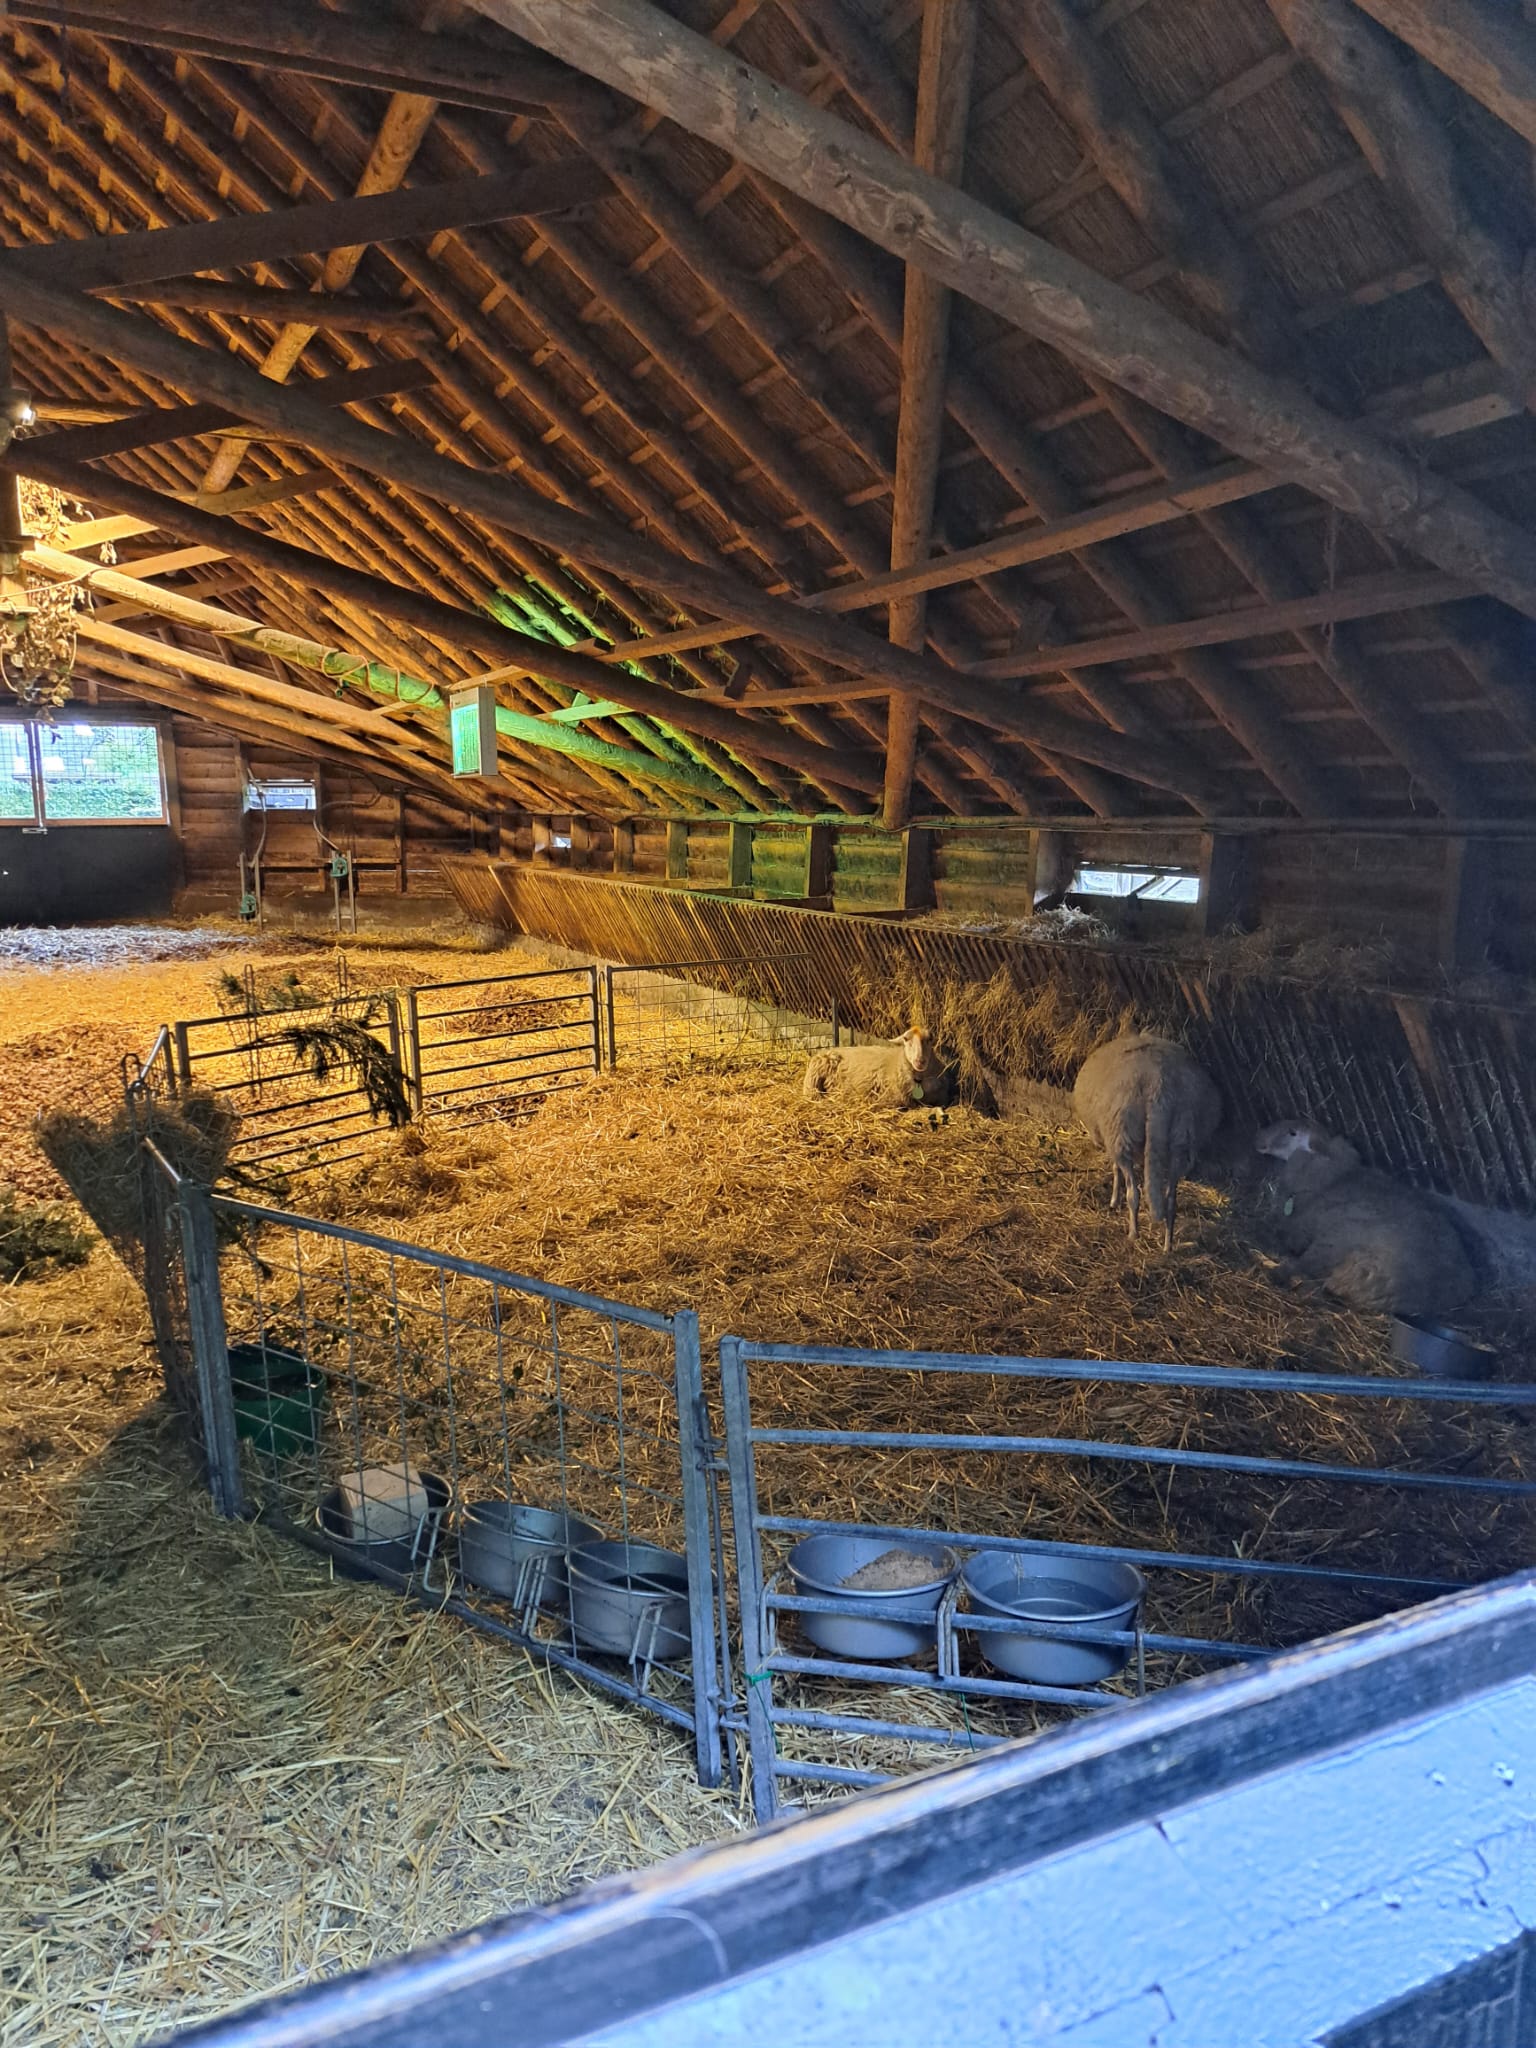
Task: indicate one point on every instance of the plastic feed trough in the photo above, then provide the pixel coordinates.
(630, 1600)
(356, 1557)
(278, 1397)
(1059, 1597)
(900, 1623)
(1439, 1353)
(520, 1552)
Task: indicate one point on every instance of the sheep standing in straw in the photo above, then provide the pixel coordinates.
(1150, 1106)
(1368, 1240)
(895, 1076)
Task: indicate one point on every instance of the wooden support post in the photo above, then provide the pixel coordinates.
(1467, 905)
(816, 873)
(1227, 901)
(938, 145)
(914, 886)
(740, 856)
(624, 847)
(581, 842)
(677, 852)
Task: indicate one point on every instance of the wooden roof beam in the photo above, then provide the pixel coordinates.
(401, 132)
(123, 337)
(160, 423)
(740, 732)
(1488, 51)
(350, 49)
(108, 261)
(269, 302)
(1159, 191)
(943, 114)
(637, 49)
(1024, 463)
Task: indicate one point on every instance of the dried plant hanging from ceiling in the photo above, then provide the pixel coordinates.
(37, 631)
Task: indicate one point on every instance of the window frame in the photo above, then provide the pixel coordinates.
(1154, 870)
(40, 821)
(254, 784)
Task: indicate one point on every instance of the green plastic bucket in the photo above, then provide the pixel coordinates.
(279, 1398)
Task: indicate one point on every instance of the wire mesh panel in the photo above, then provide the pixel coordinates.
(491, 1048)
(707, 1015)
(312, 1085)
(901, 1541)
(530, 1458)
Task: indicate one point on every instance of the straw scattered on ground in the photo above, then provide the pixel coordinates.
(224, 1773)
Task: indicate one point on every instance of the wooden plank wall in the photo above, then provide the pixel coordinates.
(1399, 895)
(398, 841)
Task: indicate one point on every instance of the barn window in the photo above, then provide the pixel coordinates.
(100, 774)
(1143, 884)
(18, 792)
(281, 793)
(74, 773)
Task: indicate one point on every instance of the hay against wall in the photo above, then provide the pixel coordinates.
(996, 1027)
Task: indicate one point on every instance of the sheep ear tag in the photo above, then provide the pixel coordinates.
(1290, 1204)
(917, 1091)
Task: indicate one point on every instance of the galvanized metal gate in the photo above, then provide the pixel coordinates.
(563, 1495)
(771, 1476)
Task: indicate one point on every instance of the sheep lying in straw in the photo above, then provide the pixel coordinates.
(894, 1076)
(1149, 1105)
(1367, 1239)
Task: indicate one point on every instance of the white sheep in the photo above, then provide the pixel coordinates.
(899, 1075)
(1366, 1238)
(1150, 1105)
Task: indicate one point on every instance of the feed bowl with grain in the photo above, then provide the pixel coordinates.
(897, 1585)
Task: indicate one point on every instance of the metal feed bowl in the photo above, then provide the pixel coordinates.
(360, 1557)
(1059, 1597)
(630, 1600)
(820, 1564)
(1440, 1353)
(520, 1552)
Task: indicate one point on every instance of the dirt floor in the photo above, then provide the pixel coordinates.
(225, 1771)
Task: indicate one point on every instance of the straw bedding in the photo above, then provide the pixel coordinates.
(222, 1772)
(226, 1771)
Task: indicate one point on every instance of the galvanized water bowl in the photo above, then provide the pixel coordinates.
(520, 1552)
(630, 1600)
(1061, 1599)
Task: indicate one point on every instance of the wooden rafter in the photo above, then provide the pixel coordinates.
(350, 50)
(133, 259)
(634, 47)
(121, 335)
